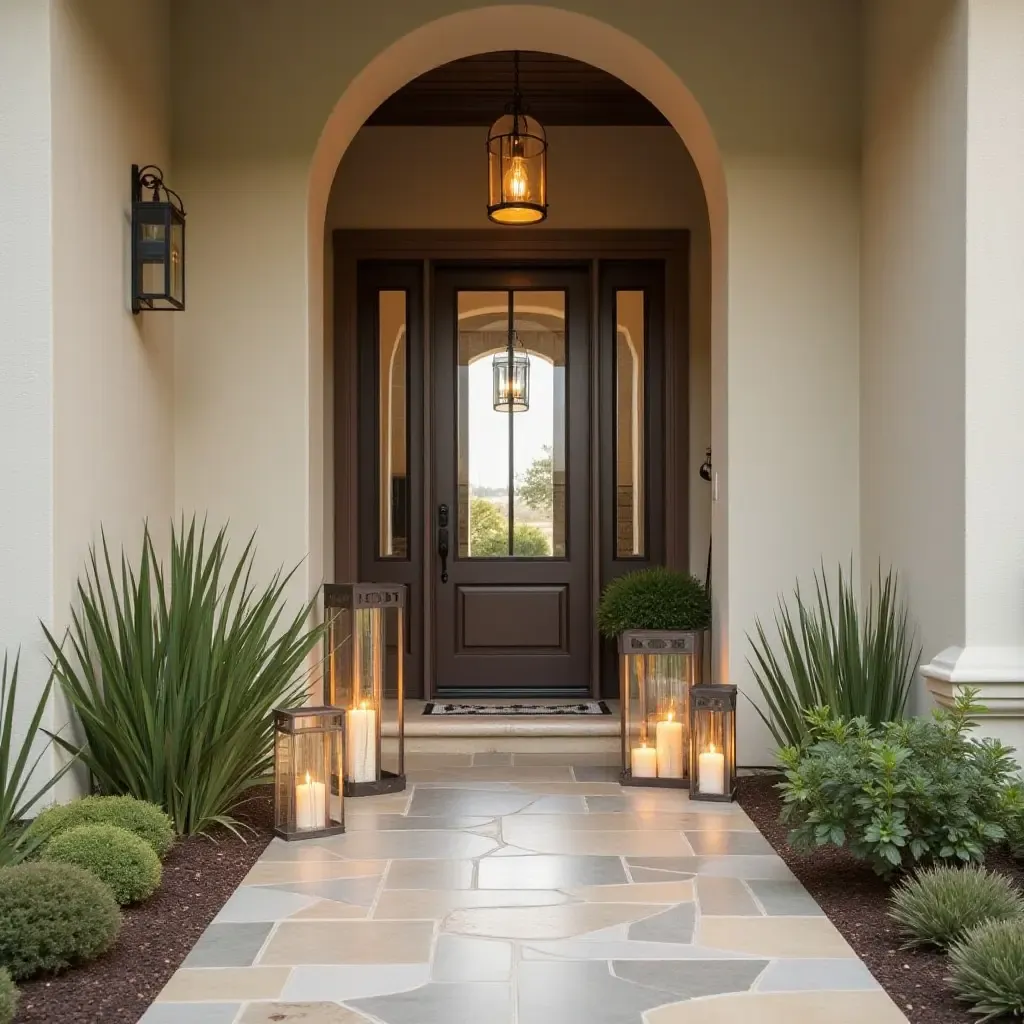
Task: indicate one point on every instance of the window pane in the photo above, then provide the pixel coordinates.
(484, 509)
(538, 434)
(629, 424)
(392, 424)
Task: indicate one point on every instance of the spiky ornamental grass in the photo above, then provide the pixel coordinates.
(653, 598)
(939, 904)
(858, 666)
(987, 969)
(174, 673)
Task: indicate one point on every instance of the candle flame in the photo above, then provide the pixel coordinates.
(671, 715)
(362, 706)
(712, 749)
(307, 778)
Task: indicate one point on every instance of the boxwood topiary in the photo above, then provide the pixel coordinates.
(146, 820)
(987, 969)
(53, 916)
(8, 997)
(940, 903)
(117, 857)
(654, 598)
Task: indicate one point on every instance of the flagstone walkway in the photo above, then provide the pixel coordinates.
(526, 888)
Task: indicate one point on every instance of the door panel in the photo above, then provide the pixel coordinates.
(511, 460)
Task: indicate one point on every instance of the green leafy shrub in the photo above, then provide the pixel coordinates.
(117, 857)
(899, 793)
(832, 656)
(173, 673)
(940, 903)
(987, 969)
(144, 819)
(488, 534)
(17, 766)
(1011, 817)
(654, 598)
(8, 997)
(53, 916)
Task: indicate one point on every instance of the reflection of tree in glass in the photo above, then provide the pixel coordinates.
(536, 486)
(488, 534)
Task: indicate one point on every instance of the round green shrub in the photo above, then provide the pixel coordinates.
(53, 916)
(8, 997)
(987, 969)
(654, 599)
(939, 904)
(117, 857)
(146, 820)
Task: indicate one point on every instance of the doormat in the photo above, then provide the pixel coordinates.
(586, 707)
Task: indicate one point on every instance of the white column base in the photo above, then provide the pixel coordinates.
(997, 673)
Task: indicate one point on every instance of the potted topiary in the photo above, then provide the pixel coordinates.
(659, 617)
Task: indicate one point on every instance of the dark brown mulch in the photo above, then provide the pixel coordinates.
(200, 873)
(855, 900)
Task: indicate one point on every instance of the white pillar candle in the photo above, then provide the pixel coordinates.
(361, 744)
(711, 772)
(669, 741)
(644, 762)
(310, 804)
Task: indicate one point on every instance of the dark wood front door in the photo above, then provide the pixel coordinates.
(511, 480)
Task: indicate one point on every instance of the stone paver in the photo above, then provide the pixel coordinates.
(524, 889)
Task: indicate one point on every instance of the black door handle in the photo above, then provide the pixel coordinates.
(442, 540)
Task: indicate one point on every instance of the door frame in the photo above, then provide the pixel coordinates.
(502, 245)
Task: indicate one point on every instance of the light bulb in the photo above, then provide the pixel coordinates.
(517, 181)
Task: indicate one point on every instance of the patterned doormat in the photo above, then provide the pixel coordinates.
(586, 707)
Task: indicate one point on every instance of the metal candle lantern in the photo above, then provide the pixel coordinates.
(713, 742)
(658, 669)
(308, 762)
(354, 674)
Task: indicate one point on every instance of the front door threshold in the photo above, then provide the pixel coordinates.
(491, 693)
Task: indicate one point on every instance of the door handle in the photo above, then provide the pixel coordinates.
(442, 540)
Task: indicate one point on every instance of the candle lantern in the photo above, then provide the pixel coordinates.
(357, 655)
(308, 766)
(713, 742)
(658, 669)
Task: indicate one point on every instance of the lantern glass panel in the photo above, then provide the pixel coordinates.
(517, 170)
(308, 767)
(176, 275)
(713, 750)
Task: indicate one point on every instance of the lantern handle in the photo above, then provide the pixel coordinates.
(152, 178)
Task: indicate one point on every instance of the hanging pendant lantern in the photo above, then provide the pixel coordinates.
(517, 164)
(511, 373)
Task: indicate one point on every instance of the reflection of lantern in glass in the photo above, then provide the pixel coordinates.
(517, 164)
(511, 374)
(658, 670)
(308, 768)
(358, 650)
(713, 742)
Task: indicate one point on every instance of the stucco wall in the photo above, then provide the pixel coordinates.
(599, 178)
(779, 86)
(913, 311)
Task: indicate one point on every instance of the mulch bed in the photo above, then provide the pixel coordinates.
(856, 900)
(200, 873)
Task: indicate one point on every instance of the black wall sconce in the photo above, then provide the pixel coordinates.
(158, 242)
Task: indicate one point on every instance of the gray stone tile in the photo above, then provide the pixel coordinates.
(412, 823)
(314, 984)
(816, 975)
(568, 757)
(430, 874)
(675, 925)
(549, 872)
(549, 992)
(191, 1013)
(717, 843)
(726, 897)
(300, 1013)
(492, 757)
(358, 891)
(691, 978)
(458, 1003)
(280, 851)
(784, 898)
(471, 802)
(458, 958)
(261, 903)
(229, 945)
(409, 845)
(721, 867)
(557, 805)
(657, 875)
(608, 804)
(596, 773)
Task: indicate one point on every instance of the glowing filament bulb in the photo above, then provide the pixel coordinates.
(517, 181)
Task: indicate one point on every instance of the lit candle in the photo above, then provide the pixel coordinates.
(669, 740)
(310, 804)
(711, 772)
(644, 762)
(361, 744)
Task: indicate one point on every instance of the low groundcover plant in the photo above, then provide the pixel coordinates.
(987, 969)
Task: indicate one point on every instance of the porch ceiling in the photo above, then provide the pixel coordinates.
(474, 90)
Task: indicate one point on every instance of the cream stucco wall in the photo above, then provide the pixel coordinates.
(779, 88)
(599, 178)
